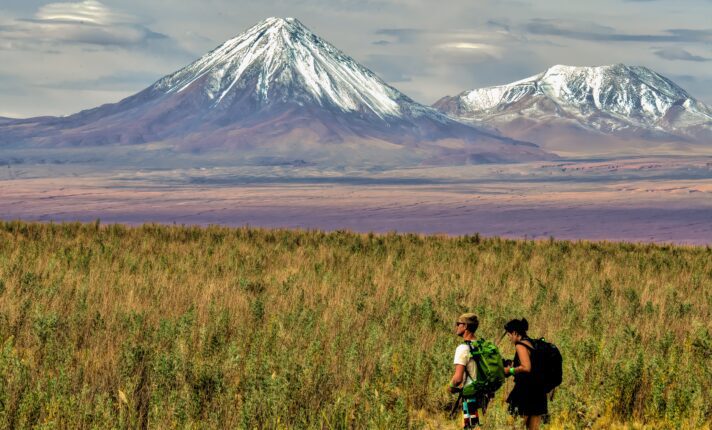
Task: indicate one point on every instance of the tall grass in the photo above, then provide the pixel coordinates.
(186, 327)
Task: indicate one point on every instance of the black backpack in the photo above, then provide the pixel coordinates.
(547, 364)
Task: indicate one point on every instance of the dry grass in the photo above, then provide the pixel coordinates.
(165, 327)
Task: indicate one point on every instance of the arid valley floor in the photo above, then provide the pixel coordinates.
(634, 199)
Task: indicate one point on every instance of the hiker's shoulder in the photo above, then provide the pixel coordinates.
(525, 343)
(462, 350)
(463, 347)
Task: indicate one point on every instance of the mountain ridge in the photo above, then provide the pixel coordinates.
(618, 101)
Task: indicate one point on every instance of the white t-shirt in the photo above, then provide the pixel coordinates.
(462, 356)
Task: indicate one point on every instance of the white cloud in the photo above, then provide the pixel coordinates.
(87, 22)
(66, 56)
(467, 46)
(472, 50)
(87, 11)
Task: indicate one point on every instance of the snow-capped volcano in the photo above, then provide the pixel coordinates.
(278, 90)
(567, 106)
(282, 61)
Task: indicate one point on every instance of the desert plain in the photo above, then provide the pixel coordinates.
(637, 199)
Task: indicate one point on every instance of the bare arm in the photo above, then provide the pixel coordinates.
(457, 378)
(525, 361)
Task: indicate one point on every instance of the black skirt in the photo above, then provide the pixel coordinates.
(526, 400)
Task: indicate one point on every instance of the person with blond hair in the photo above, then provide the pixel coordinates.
(465, 367)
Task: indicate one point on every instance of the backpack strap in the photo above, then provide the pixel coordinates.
(472, 357)
(530, 348)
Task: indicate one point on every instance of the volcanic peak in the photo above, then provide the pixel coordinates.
(282, 60)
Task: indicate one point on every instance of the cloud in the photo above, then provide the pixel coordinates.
(687, 35)
(86, 12)
(394, 68)
(675, 54)
(87, 22)
(472, 50)
(699, 87)
(118, 81)
(581, 30)
(340, 5)
(401, 35)
(499, 25)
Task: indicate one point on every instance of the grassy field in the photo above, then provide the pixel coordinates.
(181, 327)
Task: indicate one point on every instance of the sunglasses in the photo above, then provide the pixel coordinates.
(457, 323)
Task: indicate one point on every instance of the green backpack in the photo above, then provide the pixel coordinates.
(490, 369)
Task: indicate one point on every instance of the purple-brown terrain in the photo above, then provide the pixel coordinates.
(678, 216)
(648, 200)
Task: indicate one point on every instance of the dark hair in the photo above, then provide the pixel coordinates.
(520, 326)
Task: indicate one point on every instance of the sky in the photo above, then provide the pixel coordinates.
(57, 58)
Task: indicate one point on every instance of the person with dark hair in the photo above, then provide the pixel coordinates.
(525, 399)
(465, 367)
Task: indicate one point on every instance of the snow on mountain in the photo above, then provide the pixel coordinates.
(279, 90)
(284, 53)
(620, 101)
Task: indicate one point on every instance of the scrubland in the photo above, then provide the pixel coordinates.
(187, 327)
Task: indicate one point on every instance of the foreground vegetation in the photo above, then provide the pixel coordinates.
(181, 327)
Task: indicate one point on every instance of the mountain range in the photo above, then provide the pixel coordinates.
(280, 94)
(576, 110)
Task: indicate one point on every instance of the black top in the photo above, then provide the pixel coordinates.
(522, 377)
(525, 399)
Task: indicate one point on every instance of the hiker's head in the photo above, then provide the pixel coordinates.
(517, 329)
(466, 323)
